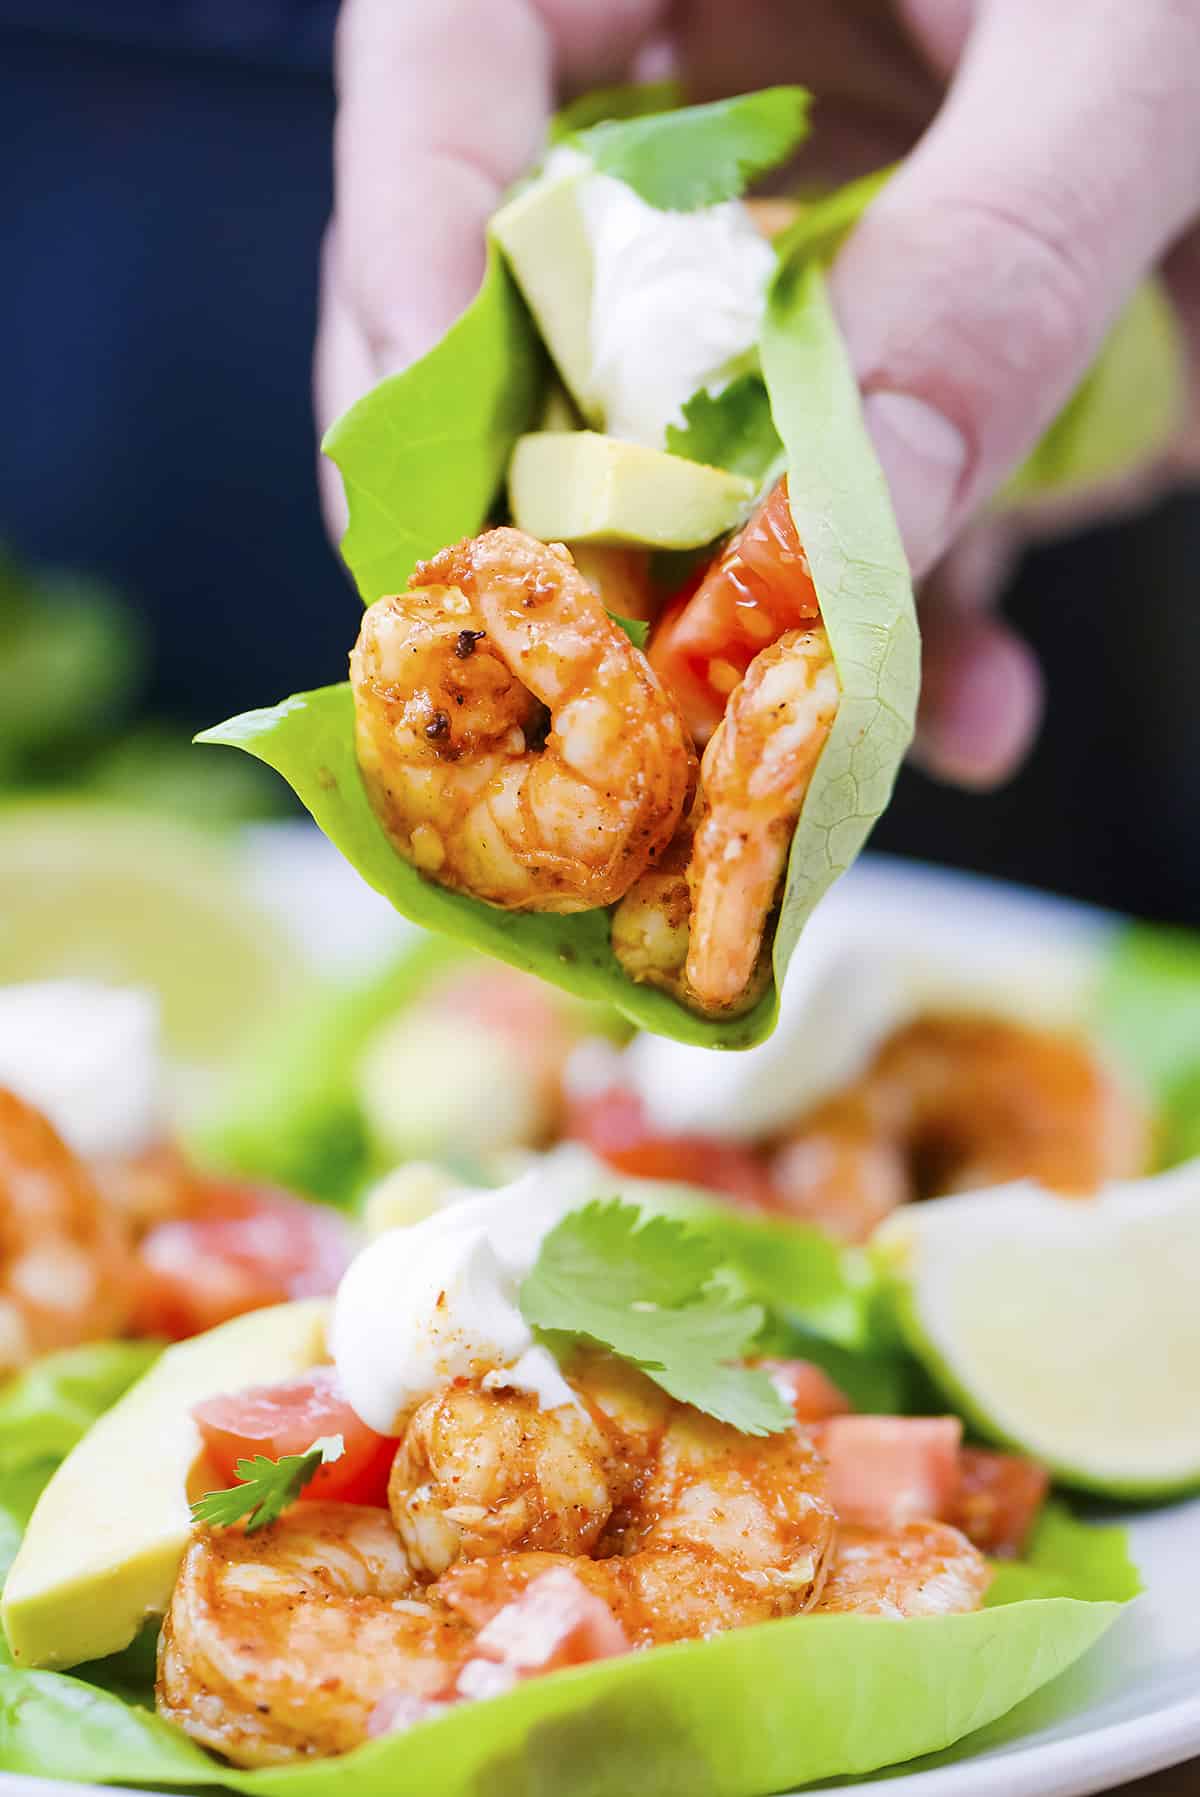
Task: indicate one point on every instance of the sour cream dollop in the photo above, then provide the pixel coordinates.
(886, 946)
(437, 1301)
(677, 300)
(87, 1055)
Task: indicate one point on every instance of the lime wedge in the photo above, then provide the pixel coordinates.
(1068, 1328)
(96, 893)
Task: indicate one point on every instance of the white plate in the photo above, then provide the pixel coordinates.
(1132, 1706)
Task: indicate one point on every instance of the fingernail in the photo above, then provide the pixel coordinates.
(924, 457)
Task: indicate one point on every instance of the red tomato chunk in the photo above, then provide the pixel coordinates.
(555, 1622)
(885, 1471)
(811, 1393)
(999, 1500)
(252, 1246)
(613, 1125)
(286, 1419)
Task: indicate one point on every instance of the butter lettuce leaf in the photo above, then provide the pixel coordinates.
(1147, 1012)
(309, 739)
(46, 1409)
(423, 454)
(699, 155)
(758, 1709)
(844, 518)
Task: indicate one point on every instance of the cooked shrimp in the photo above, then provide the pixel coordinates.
(278, 1645)
(693, 1527)
(923, 1569)
(474, 783)
(955, 1103)
(480, 1472)
(754, 778)
(66, 1256)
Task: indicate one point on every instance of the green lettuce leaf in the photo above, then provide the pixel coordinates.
(423, 454)
(1147, 1011)
(45, 1410)
(288, 1109)
(309, 739)
(1124, 412)
(699, 155)
(759, 1709)
(844, 519)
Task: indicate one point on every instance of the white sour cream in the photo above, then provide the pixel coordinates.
(887, 945)
(87, 1055)
(437, 1301)
(677, 301)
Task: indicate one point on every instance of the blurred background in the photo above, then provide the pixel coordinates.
(165, 189)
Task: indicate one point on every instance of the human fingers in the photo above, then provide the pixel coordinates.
(1064, 161)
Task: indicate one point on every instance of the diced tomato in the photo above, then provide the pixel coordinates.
(613, 1125)
(250, 1246)
(286, 1419)
(555, 1622)
(999, 1500)
(811, 1393)
(758, 588)
(885, 1471)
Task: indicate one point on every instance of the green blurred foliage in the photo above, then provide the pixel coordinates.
(73, 661)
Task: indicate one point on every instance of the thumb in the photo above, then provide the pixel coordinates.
(980, 284)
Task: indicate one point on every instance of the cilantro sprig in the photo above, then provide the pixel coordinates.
(650, 1289)
(265, 1487)
(699, 155)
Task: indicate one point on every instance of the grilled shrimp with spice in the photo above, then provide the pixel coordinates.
(513, 741)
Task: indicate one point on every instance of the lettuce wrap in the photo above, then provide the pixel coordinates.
(746, 1713)
(423, 456)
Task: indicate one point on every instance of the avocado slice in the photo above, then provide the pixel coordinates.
(545, 243)
(582, 487)
(104, 1543)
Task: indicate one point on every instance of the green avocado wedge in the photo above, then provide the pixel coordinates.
(839, 498)
(753, 1711)
(105, 1540)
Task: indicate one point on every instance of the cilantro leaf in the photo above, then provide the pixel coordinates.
(732, 429)
(649, 1289)
(265, 1487)
(699, 155)
(636, 629)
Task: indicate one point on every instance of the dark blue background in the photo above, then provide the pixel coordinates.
(165, 182)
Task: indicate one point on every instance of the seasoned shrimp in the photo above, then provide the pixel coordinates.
(754, 777)
(513, 741)
(955, 1103)
(279, 1645)
(66, 1254)
(693, 1527)
(923, 1569)
(481, 1472)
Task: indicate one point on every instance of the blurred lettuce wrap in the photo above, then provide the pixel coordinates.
(423, 458)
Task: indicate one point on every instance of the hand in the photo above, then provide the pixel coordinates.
(1057, 160)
